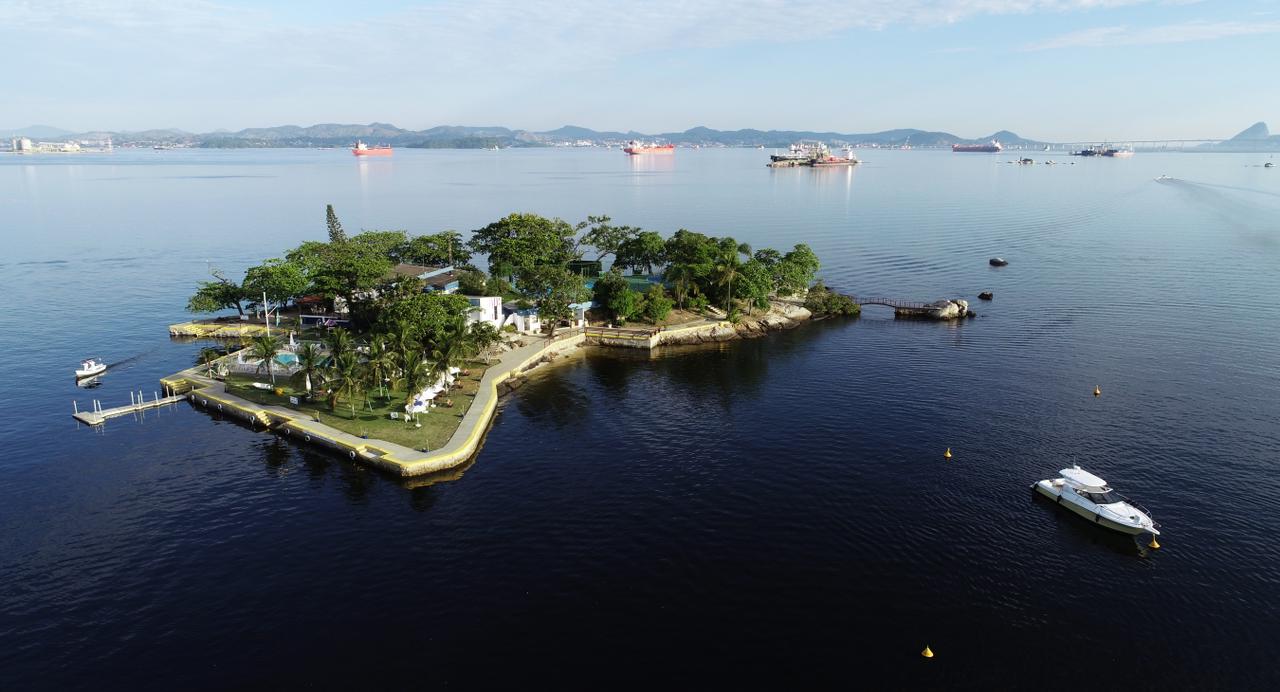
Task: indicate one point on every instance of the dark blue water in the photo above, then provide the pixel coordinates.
(773, 513)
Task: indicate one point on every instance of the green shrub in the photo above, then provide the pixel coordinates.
(656, 304)
(823, 302)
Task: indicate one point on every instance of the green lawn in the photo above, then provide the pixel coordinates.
(437, 425)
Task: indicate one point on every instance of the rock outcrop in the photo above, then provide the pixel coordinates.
(779, 316)
(949, 309)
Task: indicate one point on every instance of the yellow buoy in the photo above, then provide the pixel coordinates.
(1154, 544)
(947, 454)
(1097, 391)
(927, 653)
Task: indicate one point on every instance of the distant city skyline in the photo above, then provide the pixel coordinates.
(1057, 70)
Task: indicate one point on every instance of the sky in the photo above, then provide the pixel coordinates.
(1059, 70)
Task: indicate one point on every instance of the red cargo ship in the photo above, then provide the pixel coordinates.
(362, 149)
(633, 147)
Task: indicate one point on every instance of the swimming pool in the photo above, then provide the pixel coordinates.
(286, 358)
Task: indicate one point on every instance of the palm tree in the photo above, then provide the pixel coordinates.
(415, 374)
(728, 267)
(264, 348)
(339, 341)
(447, 354)
(381, 362)
(681, 276)
(483, 337)
(347, 371)
(209, 356)
(309, 357)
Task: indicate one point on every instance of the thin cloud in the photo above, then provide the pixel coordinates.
(1109, 36)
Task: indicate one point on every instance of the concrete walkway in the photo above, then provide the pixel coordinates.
(395, 458)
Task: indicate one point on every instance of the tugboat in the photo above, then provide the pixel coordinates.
(1091, 497)
(90, 367)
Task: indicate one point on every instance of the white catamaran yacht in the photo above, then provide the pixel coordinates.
(1091, 497)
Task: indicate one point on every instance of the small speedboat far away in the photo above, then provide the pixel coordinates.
(90, 367)
(998, 261)
(1091, 497)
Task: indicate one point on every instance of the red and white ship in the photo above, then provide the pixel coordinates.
(634, 148)
(362, 149)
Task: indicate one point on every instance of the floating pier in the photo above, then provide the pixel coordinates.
(97, 415)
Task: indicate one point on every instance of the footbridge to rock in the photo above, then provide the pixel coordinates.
(901, 308)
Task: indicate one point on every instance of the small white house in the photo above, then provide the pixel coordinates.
(486, 309)
(524, 320)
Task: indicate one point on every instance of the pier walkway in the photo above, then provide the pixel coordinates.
(97, 415)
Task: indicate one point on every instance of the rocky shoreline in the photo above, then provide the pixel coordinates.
(778, 317)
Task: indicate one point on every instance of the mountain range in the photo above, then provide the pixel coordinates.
(1255, 138)
(329, 134)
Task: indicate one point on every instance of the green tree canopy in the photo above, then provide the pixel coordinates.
(389, 244)
(519, 242)
(604, 236)
(612, 292)
(436, 249)
(656, 304)
(421, 316)
(219, 294)
(336, 234)
(796, 270)
(553, 289)
(642, 251)
(340, 269)
(280, 280)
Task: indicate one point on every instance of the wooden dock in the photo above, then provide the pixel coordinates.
(98, 415)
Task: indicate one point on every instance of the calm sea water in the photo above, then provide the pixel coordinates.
(774, 513)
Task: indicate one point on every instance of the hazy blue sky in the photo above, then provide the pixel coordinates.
(1049, 69)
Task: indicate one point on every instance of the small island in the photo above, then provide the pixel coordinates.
(393, 349)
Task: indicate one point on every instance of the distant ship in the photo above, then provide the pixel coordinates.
(990, 148)
(634, 148)
(362, 149)
(828, 159)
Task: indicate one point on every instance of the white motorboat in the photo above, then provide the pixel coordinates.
(90, 367)
(1091, 497)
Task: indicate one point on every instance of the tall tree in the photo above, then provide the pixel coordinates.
(264, 348)
(309, 359)
(381, 362)
(554, 289)
(445, 247)
(347, 372)
(415, 376)
(280, 280)
(729, 267)
(387, 244)
(484, 336)
(339, 342)
(796, 270)
(642, 251)
(336, 234)
(604, 236)
(520, 241)
(219, 294)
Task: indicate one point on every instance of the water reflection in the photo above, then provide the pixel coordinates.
(652, 162)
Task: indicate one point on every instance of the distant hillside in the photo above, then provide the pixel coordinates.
(459, 136)
(1256, 137)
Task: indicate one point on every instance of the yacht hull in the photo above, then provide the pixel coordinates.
(1047, 489)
